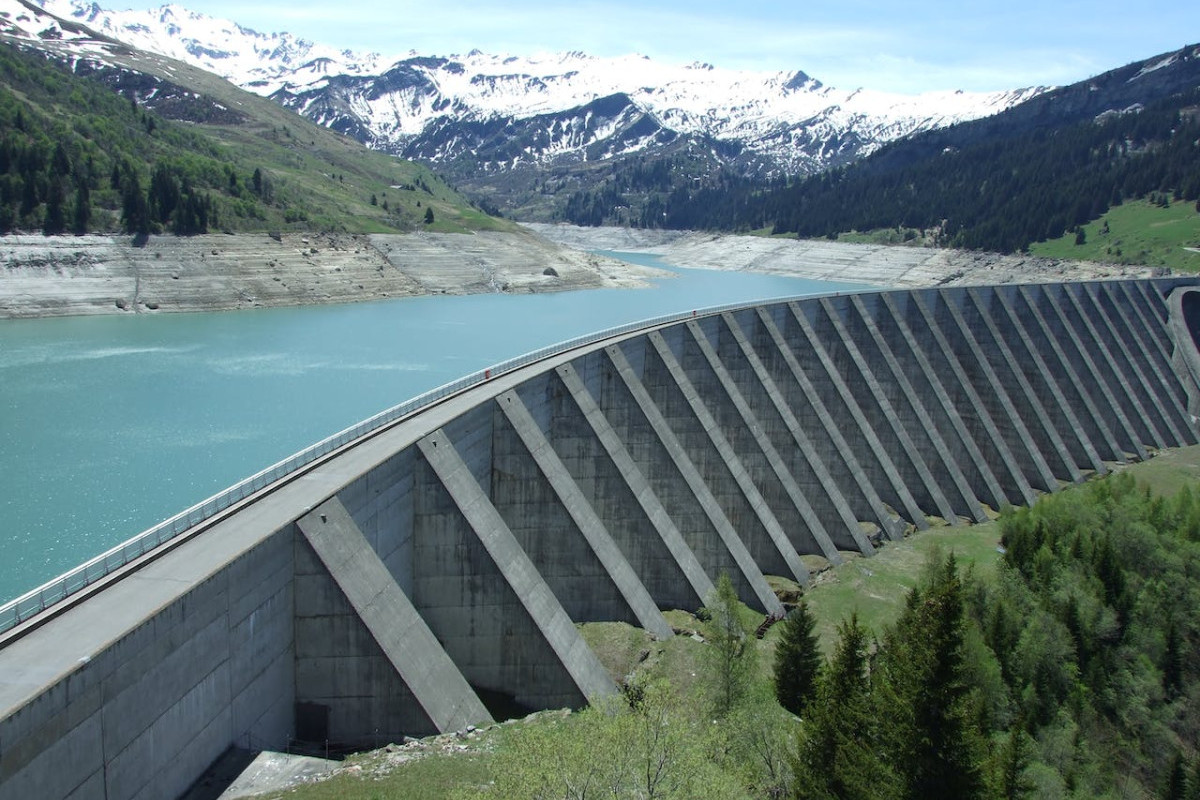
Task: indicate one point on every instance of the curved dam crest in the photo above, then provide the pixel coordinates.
(432, 574)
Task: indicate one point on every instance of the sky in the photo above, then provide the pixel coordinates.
(908, 47)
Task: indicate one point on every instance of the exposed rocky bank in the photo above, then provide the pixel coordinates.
(876, 265)
(66, 275)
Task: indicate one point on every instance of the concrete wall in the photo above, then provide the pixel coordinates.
(433, 575)
(144, 714)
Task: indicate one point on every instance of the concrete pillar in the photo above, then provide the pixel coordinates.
(998, 429)
(738, 423)
(1055, 340)
(445, 700)
(1185, 358)
(484, 599)
(722, 464)
(380, 503)
(800, 468)
(872, 396)
(1152, 333)
(890, 481)
(1083, 339)
(801, 408)
(923, 392)
(755, 589)
(1133, 360)
(1155, 296)
(587, 524)
(667, 564)
(1112, 358)
(1153, 306)
(1015, 395)
(532, 508)
(1061, 433)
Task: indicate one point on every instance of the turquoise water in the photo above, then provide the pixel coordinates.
(110, 424)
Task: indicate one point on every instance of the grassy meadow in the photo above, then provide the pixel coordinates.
(1137, 232)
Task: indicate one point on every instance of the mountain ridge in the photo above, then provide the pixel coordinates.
(777, 121)
(127, 113)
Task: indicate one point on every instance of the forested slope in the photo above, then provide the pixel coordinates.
(1032, 173)
(85, 148)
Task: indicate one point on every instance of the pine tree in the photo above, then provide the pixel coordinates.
(731, 652)
(1012, 759)
(56, 216)
(429, 215)
(82, 215)
(797, 660)
(1173, 662)
(835, 756)
(1193, 784)
(1176, 787)
(135, 214)
(935, 740)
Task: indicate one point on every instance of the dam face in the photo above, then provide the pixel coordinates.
(432, 574)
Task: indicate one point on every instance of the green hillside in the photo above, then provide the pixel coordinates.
(1143, 232)
(169, 148)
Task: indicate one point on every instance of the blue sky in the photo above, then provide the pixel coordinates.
(891, 46)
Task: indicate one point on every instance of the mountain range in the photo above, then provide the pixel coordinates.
(497, 125)
(570, 136)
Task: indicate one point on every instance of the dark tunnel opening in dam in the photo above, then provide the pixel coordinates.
(1191, 315)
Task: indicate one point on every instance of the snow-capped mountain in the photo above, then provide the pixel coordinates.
(510, 111)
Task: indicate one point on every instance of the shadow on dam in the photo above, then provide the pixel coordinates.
(431, 573)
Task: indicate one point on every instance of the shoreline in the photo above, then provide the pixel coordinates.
(83, 275)
(95, 274)
(881, 266)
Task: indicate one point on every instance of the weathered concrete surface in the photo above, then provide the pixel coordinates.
(435, 571)
(405, 640)
(277, 772)
(64, 275)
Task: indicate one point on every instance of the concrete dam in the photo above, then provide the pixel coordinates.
(431, 573)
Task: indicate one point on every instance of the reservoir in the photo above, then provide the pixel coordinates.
(109, 424)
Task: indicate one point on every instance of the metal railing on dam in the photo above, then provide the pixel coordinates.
(37, 600)
(428, 569)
